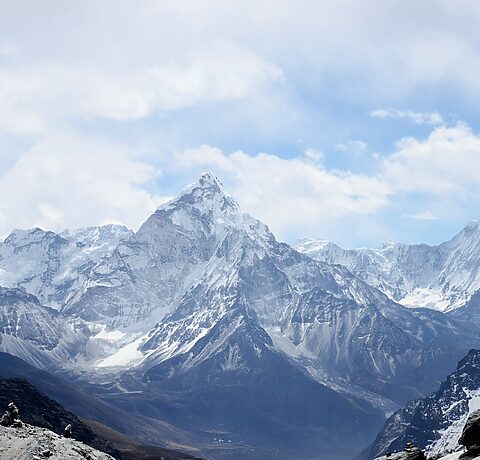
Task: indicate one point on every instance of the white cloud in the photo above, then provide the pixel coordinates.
(299, 197)
(355, 147)
(419, 118)
(293, 196)
(314, 155)
(422, 215)
(7, 49)
(33, 99)
(68, 72)
(70, 183)
(446, 163)
(126, 61)
(215, 73)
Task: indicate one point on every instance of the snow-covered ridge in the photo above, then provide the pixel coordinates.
(46, 264)
(105, 235)
(442, 277)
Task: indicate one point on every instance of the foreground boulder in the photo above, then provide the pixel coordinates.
(471, 434)
(67, 433)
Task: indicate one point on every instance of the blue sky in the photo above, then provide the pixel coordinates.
(352, 121)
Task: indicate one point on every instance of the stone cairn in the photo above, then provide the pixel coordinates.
(11, 417)
(409, 453)
(67, 433)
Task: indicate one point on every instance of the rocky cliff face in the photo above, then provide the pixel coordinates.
(38, 334)
(436, 422)
(467, 447)
(48, 265)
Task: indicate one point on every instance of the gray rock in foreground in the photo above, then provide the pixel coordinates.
(471, 433)
(32, 443)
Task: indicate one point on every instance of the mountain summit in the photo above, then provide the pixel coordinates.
(205, 195)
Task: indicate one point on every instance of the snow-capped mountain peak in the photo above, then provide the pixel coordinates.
(203, 208)
(207, 180)
(24, 237)
(109, 234)
(205, 194)
(313, 245)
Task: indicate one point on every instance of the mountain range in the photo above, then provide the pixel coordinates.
(443, 277)
(203, 321)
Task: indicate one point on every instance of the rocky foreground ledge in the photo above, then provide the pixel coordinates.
(29, 442)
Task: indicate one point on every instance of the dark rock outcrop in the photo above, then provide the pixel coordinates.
(471, 434)
(422, 421)
(11, 416)
(67, 433)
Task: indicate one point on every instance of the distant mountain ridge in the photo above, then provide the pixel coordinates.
(443, 277)
(48, 265)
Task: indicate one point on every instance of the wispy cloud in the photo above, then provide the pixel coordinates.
(220, 73)
(419, 118)
(314, 155)
(70, 182)
(423, 215)
(352, 147)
